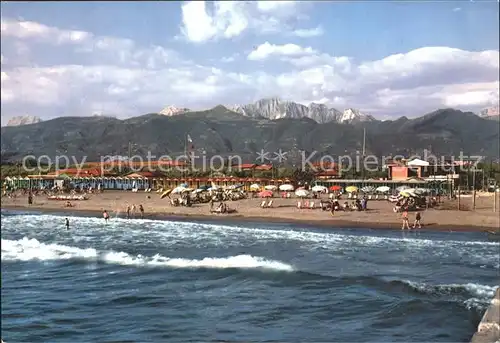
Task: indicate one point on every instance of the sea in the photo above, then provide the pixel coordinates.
(183, 281)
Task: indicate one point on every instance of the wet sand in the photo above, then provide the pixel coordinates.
(378, 216)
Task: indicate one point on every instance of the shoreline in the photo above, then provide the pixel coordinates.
(333, 223)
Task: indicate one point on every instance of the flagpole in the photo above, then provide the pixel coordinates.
(186, 155)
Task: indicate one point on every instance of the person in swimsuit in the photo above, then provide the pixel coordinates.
(105, 215)
(404, 216)
(128, 212)
(418, 217)
(67, 224)
(141, 209)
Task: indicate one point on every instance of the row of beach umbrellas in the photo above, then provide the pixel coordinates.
(300, 192)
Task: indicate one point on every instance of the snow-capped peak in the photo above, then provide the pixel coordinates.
(172, 111)
(352, 115)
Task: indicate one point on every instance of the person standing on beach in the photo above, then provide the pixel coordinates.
(67, 224)
(418, 217)
(141, 209)
(30, 198)
(128, 212)
(404, 216)
(105, 215)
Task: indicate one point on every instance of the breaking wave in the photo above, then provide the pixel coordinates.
(27, 249)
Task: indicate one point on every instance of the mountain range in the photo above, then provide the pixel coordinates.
(275, 108)
(245, 130)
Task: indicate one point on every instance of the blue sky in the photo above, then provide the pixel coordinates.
(387, 58)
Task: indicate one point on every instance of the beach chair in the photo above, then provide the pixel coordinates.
(263, 204)
(311, 205)
(270, 203)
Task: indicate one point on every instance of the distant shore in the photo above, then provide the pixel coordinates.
(379, 215)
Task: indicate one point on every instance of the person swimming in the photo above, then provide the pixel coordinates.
(67, 224)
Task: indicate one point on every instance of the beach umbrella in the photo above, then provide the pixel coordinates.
(287, 188)
(319, 189)
(166, 193)
(266, 194)
(271, 187)
(368, 189)
(402, 188)
(335, 188)
(405, 194)
(301, 193)
(254, 187)
(351, 189)
(178, 190)
(421, 191)
(204, 187)
(383, 189)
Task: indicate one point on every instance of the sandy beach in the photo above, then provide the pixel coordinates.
(378, 215)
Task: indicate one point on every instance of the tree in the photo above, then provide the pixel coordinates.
(300, 177)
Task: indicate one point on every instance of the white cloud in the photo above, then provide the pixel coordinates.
(267, 50)
(33, 30)
(457, 9)
(128, 79)
(231, 58)
(101, 48)
(203, 21)
(305, 33)
(271, 6)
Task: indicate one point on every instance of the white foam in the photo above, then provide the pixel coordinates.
(474, 289)
(88, 230)
(31, 249)
(480, 295)
(195, 231)
(239, 261)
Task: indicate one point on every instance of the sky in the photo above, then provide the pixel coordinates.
(385, 58)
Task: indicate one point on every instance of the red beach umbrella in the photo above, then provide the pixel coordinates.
(266, 194)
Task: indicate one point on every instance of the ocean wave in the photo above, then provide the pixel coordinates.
(199, 230)
(27, 249)
(471, 295)
(473, 289)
